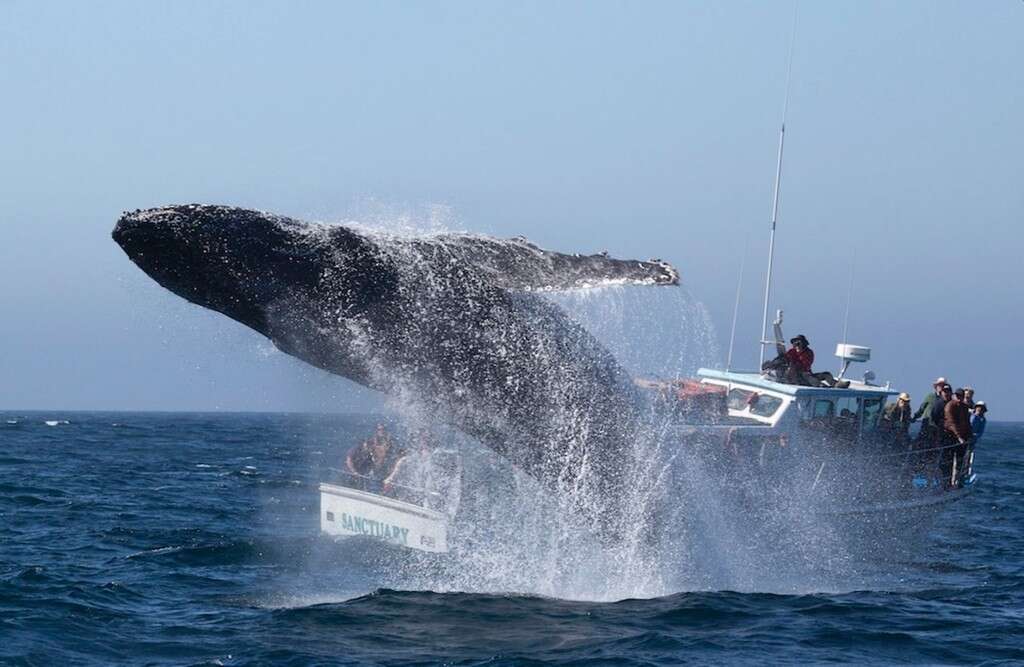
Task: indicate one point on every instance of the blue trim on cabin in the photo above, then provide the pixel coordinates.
(759, 381)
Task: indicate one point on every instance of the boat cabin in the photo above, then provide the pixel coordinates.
(757, 401)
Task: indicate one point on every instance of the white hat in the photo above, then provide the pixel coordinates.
(941, 380)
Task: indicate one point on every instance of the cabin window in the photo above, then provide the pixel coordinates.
(816, 413)
(848, 407)
(823, 409)
(872, 409)
(765, 406)
(846, 421)
(738, 399)
(761, 405)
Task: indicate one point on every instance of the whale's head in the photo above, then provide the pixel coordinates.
(234, 261)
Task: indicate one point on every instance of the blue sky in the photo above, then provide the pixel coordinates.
(647, 129)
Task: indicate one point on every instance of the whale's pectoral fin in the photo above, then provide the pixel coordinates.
(518, 264)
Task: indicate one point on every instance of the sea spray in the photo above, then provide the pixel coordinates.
(513, 533)
(648, 516)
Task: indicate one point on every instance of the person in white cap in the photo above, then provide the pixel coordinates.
(897, 415)
(924, 411)
(978, 420)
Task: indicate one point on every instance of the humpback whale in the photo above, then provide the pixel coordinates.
(455, 324)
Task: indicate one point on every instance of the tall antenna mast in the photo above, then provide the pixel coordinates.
(849, 296)
(736, 307)
(775, 195)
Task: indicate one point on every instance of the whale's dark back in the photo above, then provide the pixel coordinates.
(452, 324)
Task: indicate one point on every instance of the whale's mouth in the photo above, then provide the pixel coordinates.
(128, 233)
(155, 246)
(183, 257)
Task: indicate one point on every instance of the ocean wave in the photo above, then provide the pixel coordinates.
(26, 500)
(33, 573)
(218, 553)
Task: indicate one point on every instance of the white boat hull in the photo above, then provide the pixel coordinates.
(350, 512)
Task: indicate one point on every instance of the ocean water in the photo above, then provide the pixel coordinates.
(178, 539)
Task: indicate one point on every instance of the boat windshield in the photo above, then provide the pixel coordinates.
(761, 405)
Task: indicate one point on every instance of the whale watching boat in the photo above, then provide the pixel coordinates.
(346, 511)
(829, 430)
(413, 510)
(814, 442)
(802, 466)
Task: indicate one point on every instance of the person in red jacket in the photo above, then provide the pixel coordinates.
(800, 356)
(799, 360)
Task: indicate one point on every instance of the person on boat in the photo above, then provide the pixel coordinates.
(938, 411)
(374, 460)
(798, 360)
(411, 470)
(937, 417)
(428, 475)
(978, 420)
(381, 434)
(924, 412)
(957, 418)
(800, 356)
(897, 415)
(957, 426)
(969, 397)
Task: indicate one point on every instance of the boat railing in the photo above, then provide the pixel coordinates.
(961, 462)
(404, 492)
(912, 450)
(953, 470)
